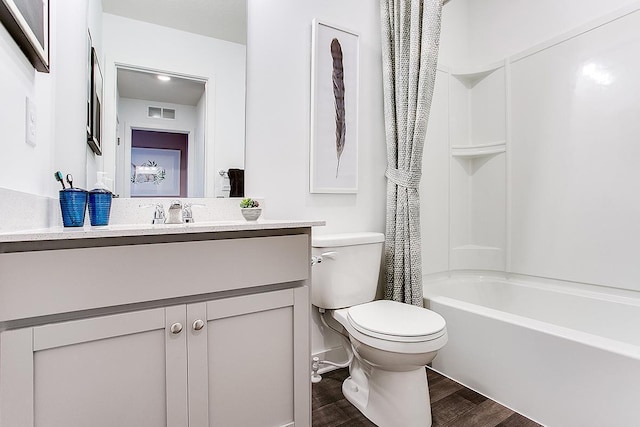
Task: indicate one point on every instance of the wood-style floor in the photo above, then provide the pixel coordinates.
(452, 405)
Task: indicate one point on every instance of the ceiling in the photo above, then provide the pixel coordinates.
(146, 86)
(220, 19)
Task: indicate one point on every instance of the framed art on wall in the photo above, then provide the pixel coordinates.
(89, 68)
(28, 23)
(95, 137)
(334, 110)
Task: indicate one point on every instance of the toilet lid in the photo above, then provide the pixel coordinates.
(396, 321)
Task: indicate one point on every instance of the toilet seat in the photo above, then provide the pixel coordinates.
(393, 343)
(394, 321)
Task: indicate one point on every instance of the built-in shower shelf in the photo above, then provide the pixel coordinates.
(470, 77)
(483, 150)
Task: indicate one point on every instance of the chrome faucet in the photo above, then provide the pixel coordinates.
(178, 213)
(175, 213)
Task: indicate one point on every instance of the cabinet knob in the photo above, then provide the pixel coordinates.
(176, 328)
(198, 324)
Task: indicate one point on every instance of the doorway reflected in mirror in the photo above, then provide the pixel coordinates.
(162, 124)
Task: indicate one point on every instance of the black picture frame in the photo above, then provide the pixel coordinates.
(89, 68)
(28, 23)
(95, 138)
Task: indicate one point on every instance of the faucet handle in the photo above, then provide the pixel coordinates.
(159, 216)
(187, 214)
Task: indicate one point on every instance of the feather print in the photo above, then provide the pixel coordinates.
(338, 94)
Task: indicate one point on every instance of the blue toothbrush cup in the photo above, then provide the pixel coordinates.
(99, 207)
(73, 204)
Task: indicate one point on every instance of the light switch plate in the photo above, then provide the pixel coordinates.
(30, 123)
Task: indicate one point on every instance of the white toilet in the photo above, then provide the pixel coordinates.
(391, 341)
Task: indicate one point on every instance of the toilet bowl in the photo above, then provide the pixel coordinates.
(391, 341)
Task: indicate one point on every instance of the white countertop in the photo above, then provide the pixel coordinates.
(133, 230)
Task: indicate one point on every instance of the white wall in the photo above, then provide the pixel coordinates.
(454, 34)
(278, 112)
(199, 139)
(59, 98)
(133, 115)
(131, 42)
(94, 21)
(19, 80)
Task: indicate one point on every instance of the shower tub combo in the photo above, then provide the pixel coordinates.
(561, 355)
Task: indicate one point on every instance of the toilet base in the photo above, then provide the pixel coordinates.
(389, 398)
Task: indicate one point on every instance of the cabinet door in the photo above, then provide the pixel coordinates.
(121, 370)
(254, 350)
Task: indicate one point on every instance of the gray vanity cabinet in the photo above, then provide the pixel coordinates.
(237, 355)
(250, 353)
(120, 370)
(221, 363)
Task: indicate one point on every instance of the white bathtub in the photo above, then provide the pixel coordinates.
(562, 356)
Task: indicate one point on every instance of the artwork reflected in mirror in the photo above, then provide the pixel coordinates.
(159, 164)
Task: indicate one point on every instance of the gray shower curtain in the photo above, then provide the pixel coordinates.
(410, 39)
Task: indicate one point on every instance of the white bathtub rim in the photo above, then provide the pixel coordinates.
(584, 290)
(585, 338)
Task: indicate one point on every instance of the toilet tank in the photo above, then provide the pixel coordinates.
(348, 273)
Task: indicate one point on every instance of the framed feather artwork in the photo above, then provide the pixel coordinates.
(334, 110)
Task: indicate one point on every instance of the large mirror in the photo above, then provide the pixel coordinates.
(174, 101)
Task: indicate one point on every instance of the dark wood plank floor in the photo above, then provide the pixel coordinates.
(452, 405)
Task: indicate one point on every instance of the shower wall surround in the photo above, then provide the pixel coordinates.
(540, 146)
(574, 151)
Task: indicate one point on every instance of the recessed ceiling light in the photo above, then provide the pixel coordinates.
(164, 78)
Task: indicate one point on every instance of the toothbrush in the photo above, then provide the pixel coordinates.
(58, 176)
(70, 180)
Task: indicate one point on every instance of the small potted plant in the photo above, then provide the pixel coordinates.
(250, 209)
